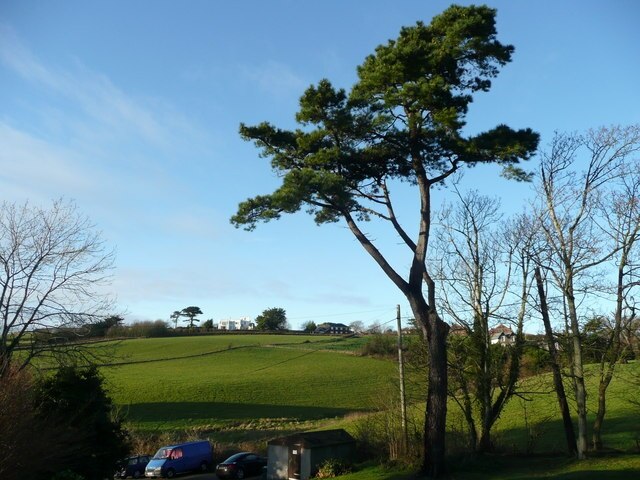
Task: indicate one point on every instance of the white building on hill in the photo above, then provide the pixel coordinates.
(244, 323)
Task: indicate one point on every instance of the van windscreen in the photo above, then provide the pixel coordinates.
(162, 453)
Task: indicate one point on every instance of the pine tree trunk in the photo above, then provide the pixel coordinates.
(435, 420)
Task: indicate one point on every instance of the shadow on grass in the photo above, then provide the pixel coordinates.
(619, 433)
(625, 474)
(176, 411)
(591, 475)
(616, 467)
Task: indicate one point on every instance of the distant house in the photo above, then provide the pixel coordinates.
(457, 329)
(502, 335)
(540, 340)
(243, 323)
(333, 328)
(298, 456)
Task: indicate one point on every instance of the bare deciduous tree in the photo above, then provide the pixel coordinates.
(569, 219)
(478, 261)
(621, 214)
(52, 265)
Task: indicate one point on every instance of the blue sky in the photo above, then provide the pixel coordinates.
(132, 110)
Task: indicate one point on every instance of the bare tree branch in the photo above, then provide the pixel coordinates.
(53, 265)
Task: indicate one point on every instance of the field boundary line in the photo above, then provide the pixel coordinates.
(168, 359)
(325, 350)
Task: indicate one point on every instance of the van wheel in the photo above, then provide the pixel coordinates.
(204, 467)
(240, 473)
(171, 473)
(137, 474)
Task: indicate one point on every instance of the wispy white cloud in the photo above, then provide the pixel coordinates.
(340, 298)
(274, 78)
(82, 136)
(332, 296)
(270, 77)
(172, 284)
(30, 164)
(189, 224)
(96, 95)
(15, 56)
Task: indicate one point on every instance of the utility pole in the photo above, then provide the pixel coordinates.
(403, 402)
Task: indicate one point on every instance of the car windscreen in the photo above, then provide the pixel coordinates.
(235, 458)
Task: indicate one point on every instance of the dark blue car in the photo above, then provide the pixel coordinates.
(241, 465)
(133, 466)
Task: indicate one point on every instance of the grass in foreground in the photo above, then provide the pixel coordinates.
(619, 467)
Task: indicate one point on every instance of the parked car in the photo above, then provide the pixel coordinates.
(241, 465)
(132, 466)
(180, 458)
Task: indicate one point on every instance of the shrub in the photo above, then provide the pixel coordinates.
(208, 324)
(380, 435)
(20, 448)
(67, 475)
(36, 442)
(535, 361)
(158, 328)
(309, 327)
(380, 345)
(75, 403)
(332, 467)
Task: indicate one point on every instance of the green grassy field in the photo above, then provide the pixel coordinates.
(150, 349)
(252, 387)
(221, 381)
(333, 344)
(225, 380)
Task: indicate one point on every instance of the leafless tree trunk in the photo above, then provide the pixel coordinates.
(52, 264)
(555, 366)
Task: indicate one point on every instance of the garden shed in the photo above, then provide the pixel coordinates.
(298, 456)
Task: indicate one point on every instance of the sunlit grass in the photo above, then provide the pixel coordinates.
(236, 381)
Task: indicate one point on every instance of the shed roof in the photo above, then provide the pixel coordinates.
(315, 439)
